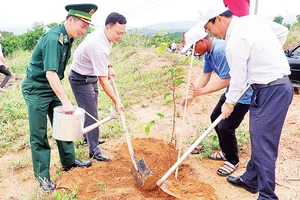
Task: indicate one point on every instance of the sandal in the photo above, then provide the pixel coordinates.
(198, 149)
(218, 156)
(227, 169)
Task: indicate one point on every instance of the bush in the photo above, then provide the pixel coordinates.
(30, 38)
(10, 44)
(162, 38)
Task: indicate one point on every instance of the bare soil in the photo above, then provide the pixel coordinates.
(197, 178)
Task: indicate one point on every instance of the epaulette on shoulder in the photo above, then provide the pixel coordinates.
(61, 38)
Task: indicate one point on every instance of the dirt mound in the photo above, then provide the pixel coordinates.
(114, 180)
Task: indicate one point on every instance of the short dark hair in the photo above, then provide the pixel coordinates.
(226, 14)
(75, 17)
(68, 16)
(115, 17)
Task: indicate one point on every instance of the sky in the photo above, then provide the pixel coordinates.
(18, 15)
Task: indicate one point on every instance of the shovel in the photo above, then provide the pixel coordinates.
(162, 182)
(141, 173)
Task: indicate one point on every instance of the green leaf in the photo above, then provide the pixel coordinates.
(215, 138)
(160, 115)
(166, 95)
(173, 74)
(152, 123)
(148, 127)
(179, 69)
(179, 81)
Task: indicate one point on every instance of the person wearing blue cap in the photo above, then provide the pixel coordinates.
(215, 61)
(91, 65)
(255, 55)
(42, 90)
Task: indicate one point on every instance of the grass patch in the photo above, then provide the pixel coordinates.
(211, 141)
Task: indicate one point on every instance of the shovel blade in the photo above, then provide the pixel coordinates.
(143, 176)
(137, 177)
(164, 187)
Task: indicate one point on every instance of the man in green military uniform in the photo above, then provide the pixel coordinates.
(42, 90)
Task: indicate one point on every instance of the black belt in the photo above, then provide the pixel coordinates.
(279, 81)
(38, 79)
(79, 77)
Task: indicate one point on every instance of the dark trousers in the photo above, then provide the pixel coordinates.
(85, 89)
(226, 129)
(41, 100)
(268, 110)
(7, 75)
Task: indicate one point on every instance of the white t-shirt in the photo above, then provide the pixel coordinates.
(91, 57)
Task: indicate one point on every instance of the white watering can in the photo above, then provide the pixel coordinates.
(71, 127)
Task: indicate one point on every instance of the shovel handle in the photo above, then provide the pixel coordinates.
(179, 161)
(130, 148)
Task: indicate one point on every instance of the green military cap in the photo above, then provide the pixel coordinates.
(83, 11)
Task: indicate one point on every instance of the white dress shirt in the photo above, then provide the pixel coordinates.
(254, 53)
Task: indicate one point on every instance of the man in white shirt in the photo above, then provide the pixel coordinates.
(255, 56)
(90, 64)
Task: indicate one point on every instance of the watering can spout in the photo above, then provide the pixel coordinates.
(113, 115)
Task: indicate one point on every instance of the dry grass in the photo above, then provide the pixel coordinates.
(293, 36)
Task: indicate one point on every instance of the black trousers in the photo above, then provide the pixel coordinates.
(226, 129)
(85, 89)
(7, 75)
(268, 110)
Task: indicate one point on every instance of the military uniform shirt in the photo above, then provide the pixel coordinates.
(51, 53)
(91, 57)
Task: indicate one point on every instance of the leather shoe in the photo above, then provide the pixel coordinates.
(47, 185)
(77, 163)
(99, 141)
(99, 156)
(237, 181)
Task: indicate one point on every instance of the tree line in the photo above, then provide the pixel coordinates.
(28, 40)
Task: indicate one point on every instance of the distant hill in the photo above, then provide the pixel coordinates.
(17, 30)
(182, 26)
